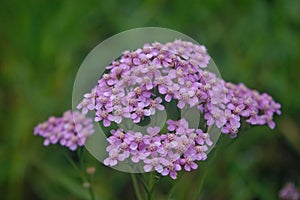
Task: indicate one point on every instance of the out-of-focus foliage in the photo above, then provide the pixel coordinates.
(42, 44)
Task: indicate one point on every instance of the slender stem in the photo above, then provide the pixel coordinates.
(136, 187)
(200, 186)
(92, 193)
(174, 187)
(151, 184)
(91, 189)
(75, 166)
(81, 154)
(148, 187)
(145, 185)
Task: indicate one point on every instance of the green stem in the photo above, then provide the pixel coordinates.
(91, 189)
(75, 166)
(151, 184)
(80, 154)
(145, 185)
(206, 169)
(174, 187)
(136, 187)
(201, 186)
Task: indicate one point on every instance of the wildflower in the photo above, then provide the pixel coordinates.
(171, 169)
(70, 130)
(89, 102)
(105, 116)
(113, 158)
(289, 192)
(143, 81)
(156, 163)
(188, 163)
(167, 153)
(153, 130)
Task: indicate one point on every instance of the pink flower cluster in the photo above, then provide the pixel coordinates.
(143, 81)
(165, 153)
(289, 192)
(139, 82)
(70, 130)
(128, 90)
(243, 103)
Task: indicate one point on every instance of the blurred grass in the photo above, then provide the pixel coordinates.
(43, 43)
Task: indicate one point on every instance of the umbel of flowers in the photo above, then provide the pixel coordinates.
(65, 131)
(143, 81)
(166, 153)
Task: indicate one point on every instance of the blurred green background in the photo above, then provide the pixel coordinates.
(42, 44)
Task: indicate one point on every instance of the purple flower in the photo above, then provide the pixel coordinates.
(70, 130)
(154, 104)
(255, 119)
(173, 70)
(167, 153)
(105, 116)
(163, 82)
(203, 138)
(119, 113)
(153, 131)
(156, 163)
(141, 58)
(200, 152)
(139, 112)
(141, 82)
(114, 157)
(134, 140)
(172, 125)
(144, 80)
(188, 163)
(289, 192)
(152, 71)
(88, 103)
(171, 169)
(232, 130)
(169, 91)
(184, 96)
(138, 155)
(177, 74)
(215, 116)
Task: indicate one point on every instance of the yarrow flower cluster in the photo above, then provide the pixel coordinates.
(127, 90)
(243, 103)
(289, 192)
(144, 81)
(165, 153)
(135, 84)
(70, 130)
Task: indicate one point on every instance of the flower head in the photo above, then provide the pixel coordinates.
(289, 192)
(145, 80)
(70, 130)
(167, 153)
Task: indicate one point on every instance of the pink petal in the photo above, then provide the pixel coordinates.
(147, 168)
(106, 122)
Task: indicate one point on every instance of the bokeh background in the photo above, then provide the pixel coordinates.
(42, 44)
